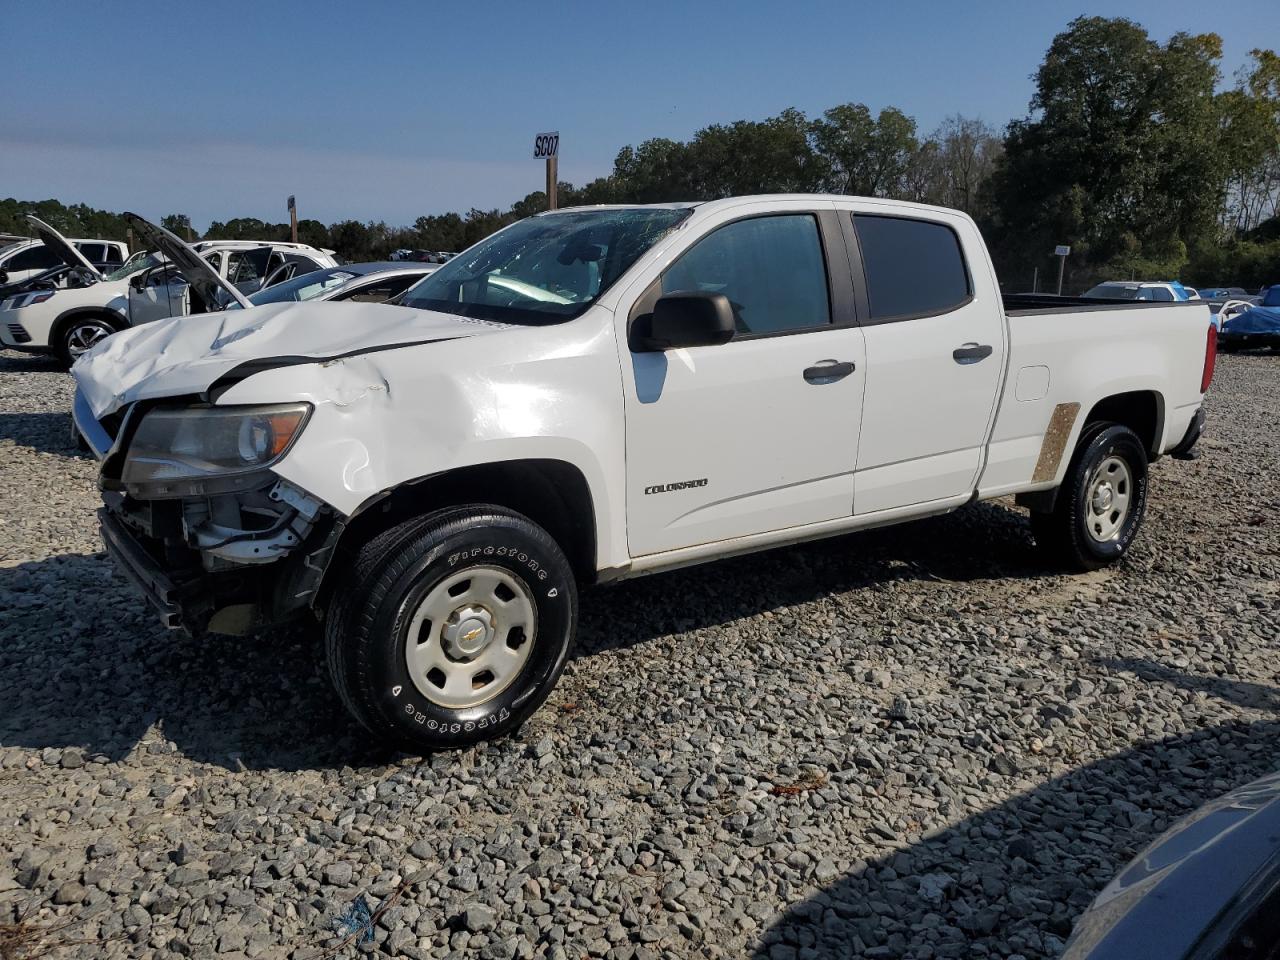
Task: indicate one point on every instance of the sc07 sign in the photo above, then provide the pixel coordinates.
(546, 145)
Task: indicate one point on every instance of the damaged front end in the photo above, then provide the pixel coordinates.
(196, 518)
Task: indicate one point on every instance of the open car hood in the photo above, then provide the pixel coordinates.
(59, 245)
(195, 269)
(186, 356)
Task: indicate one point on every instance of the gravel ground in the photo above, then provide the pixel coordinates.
(904, 743)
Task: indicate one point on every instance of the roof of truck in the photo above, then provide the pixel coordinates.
(732, 201)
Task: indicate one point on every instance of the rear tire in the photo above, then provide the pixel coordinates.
(452, 628)
(1101, 503)
(79, 335)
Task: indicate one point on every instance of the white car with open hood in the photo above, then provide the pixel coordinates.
(604, 392)
(67, 322)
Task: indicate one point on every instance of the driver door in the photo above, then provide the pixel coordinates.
(761, 433)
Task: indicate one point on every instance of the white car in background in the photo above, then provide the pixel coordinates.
(26, 258)
(374, 282)
(67, 322)
(1158, 291)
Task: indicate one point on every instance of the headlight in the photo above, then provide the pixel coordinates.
(195, 443)
(26, 299)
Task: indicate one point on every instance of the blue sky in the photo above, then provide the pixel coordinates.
(392, 110)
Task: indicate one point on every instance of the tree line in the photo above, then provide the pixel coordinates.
(1130, 154)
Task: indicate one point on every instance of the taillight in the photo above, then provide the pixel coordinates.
(1210, 358)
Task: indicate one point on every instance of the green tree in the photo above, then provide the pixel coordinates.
(1118, 159)
(867, 157)
(178, 223)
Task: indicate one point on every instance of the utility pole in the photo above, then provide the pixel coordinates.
(546, 146)
(1035, 281)
(1061, 252)
(293, 218)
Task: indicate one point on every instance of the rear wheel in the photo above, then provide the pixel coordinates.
(80, 335)
(451, 629)
(1101, 503)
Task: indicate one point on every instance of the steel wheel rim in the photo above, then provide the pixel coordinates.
(470, 637)
(85, 337)
(1108, 498)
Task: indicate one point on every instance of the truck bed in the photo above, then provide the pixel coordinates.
(1038, 303)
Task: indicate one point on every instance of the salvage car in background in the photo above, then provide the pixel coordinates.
(27, 258)
(599, 393)
(1159, 291)
(1244, 325)
(1207, 889)
(146, 288)
(361, 282)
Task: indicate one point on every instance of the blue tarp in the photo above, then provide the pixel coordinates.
(1255, 320)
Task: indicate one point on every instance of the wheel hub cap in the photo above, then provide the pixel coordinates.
(1102, 498)
(467, 632)
(1110, 491)
(470, 636)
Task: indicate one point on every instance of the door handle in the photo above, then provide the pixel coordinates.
(971, 352)
(828, 371)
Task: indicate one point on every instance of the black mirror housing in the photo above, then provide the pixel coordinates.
(686, 319)
(4, 276)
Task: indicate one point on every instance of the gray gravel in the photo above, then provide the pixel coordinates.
(905, 743)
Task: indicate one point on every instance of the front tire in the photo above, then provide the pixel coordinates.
(451, 629)
(80, 335)
(1101, 503)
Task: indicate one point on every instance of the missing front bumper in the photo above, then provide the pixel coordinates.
(244, 600)
(142, 569)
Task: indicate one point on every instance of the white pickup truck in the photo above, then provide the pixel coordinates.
(605, 392)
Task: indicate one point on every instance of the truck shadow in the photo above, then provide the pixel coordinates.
(42, 432)
(83, 662)
(983, 541)
(1014, 878)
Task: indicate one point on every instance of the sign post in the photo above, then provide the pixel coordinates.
(546, 146)
(1061, 252)
(293, 218)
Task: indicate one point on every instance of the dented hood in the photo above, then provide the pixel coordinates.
(182, 356)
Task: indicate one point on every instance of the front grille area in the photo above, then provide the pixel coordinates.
(18, 333)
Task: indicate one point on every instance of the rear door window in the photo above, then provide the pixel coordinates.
(914, 268)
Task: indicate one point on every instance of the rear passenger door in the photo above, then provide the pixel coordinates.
(935, 339)
(760, 433)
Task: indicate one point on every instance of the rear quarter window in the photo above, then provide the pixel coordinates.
(914, 268)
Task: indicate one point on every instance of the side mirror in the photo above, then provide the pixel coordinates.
(4, 276)
(685, 320)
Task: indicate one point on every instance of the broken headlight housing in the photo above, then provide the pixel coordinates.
(173, 445)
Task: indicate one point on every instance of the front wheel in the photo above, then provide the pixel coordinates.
(81, 335)
(1101, 503)
(452, 628)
